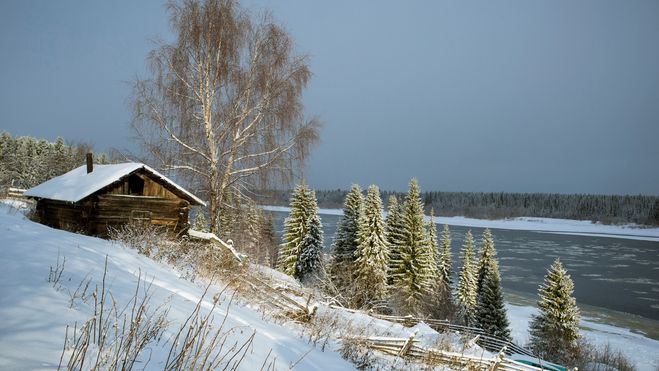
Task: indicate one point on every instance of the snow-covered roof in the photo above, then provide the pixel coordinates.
(78, 184)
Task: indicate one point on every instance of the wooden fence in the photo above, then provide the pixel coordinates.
(406, 347)
(488, 342)
(15, 193)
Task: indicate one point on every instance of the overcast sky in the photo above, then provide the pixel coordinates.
(521, 96)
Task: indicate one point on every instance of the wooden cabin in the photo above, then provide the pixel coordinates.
(90, 199)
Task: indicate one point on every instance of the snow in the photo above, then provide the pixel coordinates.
(212, 237)
(35, 312)
(545, 225)
(642, 351)
(286, 209)
(78, 184)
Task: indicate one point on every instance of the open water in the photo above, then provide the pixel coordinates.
(618, 276)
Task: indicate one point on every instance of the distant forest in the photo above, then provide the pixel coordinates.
(608, 209)
(26, 161)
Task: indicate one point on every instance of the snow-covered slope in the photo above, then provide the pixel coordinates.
(34, 313)
(642, 351)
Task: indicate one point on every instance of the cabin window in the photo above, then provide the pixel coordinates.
(135, 185)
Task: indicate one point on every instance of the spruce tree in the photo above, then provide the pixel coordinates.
(467, 282)
(200, 223)
(487, 258)
(433, 246)
(371, 257)
(345, 240)
(490, 309)
(441, 305)
(394, 229)
(555, 331)
(311, 250)
(444, 259)
(415, 275)
(303, 206)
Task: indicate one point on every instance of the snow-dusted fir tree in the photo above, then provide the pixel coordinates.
(303, 206)
(555, 331)
(309, 265)
(467, 282)
(345, 241)
(433, 245)
(441, 304)
(487, 258)
(200, 224)
(444, 259)
(415, 275)
(394, 228)
(371, 257)
(490, 310)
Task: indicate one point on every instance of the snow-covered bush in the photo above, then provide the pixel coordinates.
(143, 237)
(592, 358)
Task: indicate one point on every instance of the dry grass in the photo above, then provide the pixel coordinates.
(122, 337)
(600, 358)
(143, 237)
(114, 337)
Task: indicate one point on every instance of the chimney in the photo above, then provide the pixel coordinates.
(90, 162)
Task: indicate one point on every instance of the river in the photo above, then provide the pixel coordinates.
(616, 280)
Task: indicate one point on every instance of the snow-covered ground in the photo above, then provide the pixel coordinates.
(643, 351)
(34, 313)
(547, 225)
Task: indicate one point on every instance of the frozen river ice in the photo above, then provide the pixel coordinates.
(615, 274)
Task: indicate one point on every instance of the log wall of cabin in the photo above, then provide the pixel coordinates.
(64, 215)
(113, 210)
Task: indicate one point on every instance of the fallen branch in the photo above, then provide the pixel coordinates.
(207, 236)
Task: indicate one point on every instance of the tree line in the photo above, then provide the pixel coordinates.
(640, 209)
(401, 265)
(26, 161)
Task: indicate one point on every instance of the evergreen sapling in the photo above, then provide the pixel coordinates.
(303, 206)
(490, 309)
(394, 229)
(311, 251)
(346, 239)
(444, 259)
(466, 292)
(371, 257)
(555, 331)
(415, 276)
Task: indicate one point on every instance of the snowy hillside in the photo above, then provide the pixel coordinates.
(48, 277)
(35, 312)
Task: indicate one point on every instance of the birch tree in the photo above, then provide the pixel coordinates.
(222, 108)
